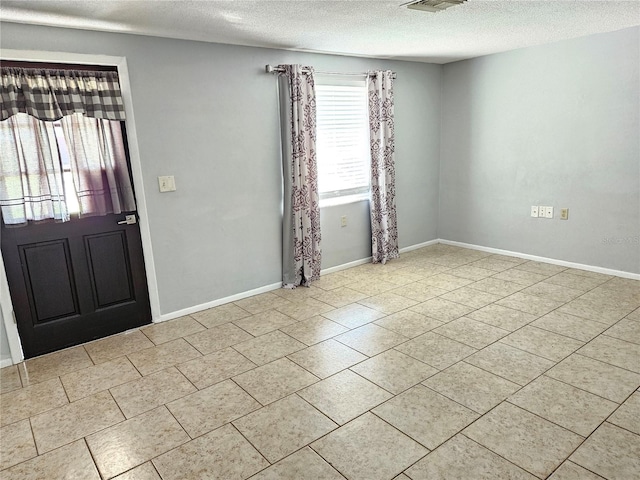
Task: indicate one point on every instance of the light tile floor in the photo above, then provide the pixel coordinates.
(446, 363)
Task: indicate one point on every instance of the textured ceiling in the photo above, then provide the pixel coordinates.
(372, 28)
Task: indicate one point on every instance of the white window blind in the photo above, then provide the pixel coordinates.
(342, 140)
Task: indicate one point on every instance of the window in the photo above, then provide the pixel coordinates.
(342, 140)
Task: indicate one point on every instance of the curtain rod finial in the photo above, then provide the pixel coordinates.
(268, 68)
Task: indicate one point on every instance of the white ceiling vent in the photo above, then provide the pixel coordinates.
(433, 5)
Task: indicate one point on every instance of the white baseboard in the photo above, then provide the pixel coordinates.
(273, 286)
(535, 258)
(216, 303)
(419, 245)
(6, 362)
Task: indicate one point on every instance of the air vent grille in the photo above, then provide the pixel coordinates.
(433, 5)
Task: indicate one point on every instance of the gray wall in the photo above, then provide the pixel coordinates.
(5, 354)
(552, 125)
(208, 114)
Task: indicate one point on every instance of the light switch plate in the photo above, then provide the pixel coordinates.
(548, 212)
(534, 211)
(167, 183)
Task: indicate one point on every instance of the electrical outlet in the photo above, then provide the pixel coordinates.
(534, 211)
(167, 184)
(343, 221)
(564, 214)
(548, 212)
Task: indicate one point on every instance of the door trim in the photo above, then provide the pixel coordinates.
(6, 305)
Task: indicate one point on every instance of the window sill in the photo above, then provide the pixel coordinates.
(343, 200)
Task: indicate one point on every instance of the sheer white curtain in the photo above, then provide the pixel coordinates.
(301, 252)
(384, 224)
(31, 180)
(99, 165)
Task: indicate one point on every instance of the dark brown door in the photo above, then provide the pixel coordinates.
(75, 281)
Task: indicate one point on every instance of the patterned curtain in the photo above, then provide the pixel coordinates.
(384, 225)
(301, 252)
(50, 94)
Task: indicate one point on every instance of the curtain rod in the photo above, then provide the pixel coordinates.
(272, 69)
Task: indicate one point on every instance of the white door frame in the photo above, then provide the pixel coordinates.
(6, 305)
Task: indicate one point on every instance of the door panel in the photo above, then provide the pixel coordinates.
(76, 281)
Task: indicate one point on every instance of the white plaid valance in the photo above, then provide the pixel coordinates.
(50, 94)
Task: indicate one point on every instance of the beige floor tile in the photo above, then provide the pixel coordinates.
(440, 418)
(46, 367)
(149, 392)
(212, 407)
(425, 269)
(163, 332)
(305, 309)
(9, 379)
(394, 371)
(628, 415)
(511, 363)
(418, 291)
(146, 471)
(305, 464)
(436, 350)
(597, 377)
(567, 406)
(471, 273)
(332, 281)
(16, 444)
(445, 281)
(471, 386)
(163, 356)
(494, 264)
(502, 317)
(388, 302)
(461, 458)
(298, 294)
(221, 454)
(262, 302)
(441, 309)
(275, 380)
(471, 332)
(409, 324)
(371, 339)
(339, 297)
(471, 297)
(369, 449)
(625, 329)
(31, 400)
(217, 338)
(570, 471)
(220, 315)
(523, 438)
(369, 287)
(344, 396)
(595, 310)
(314, 330)
(69, 462)
(354, 315)
(529, 303)
(635, 315)
(82, 383)
(541, 268)
(264, 322)
(215, 367)
(63, 425)
(135, 441)
(624, 299)
(327, 358)
(520, 277)
(569, 326)
(616, 352)
(611, 452)
(542, 343)
(117, 346)
(269, 347)
(496, 286)
(283, 427)
(578, 282)
(553, 292)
